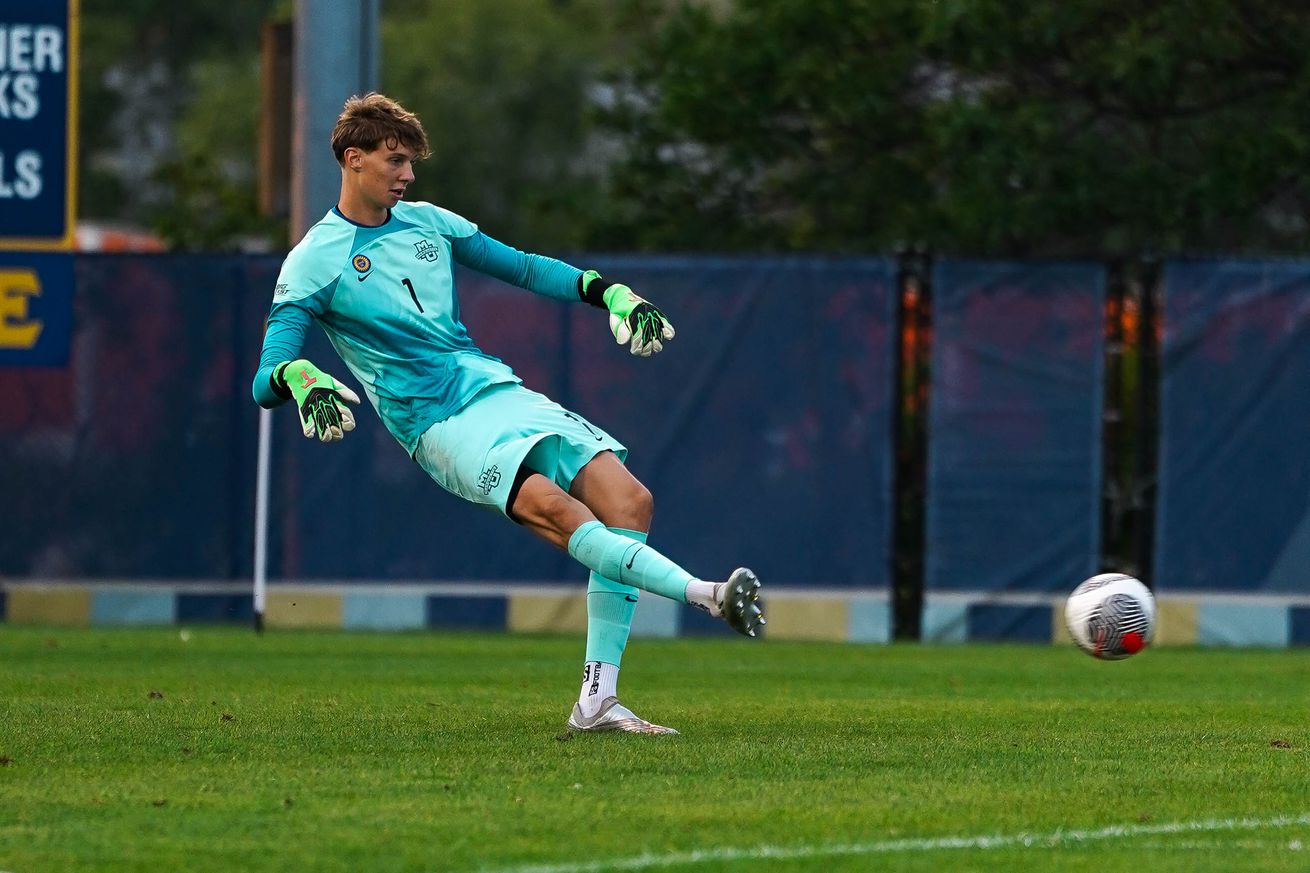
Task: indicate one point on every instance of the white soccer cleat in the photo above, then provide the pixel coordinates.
(737, 602)
(614, 716)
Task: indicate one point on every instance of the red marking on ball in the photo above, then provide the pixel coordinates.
(1133, 643)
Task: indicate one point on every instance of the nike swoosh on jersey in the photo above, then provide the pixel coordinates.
(363, 277)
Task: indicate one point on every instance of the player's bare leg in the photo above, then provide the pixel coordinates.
(613, 494)
(551, 513)
(625, 507)
(566, 521)
(559, 518)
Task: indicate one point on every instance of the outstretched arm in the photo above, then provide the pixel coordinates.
(536, 273)
(320, 399)
(284, 336)
(634, 321)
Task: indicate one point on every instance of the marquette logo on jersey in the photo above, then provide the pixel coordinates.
(426, 251)
(489, 479)
(17, 287)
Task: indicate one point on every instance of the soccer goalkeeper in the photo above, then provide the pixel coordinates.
(377, 274)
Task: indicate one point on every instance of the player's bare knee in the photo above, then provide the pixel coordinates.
(643, 503)
(633, 506)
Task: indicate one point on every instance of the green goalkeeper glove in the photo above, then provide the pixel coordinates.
(318, 397)
(635, 322)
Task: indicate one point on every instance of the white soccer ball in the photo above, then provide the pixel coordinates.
(1111, 616)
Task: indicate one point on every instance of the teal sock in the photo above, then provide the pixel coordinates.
(610, 606)
(624, 560)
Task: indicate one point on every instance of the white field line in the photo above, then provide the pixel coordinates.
(1050, 839)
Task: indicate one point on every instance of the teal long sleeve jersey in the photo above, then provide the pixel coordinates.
(385, 297)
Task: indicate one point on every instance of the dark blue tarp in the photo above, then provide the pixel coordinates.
(1234, 466)
(763, 431)
(136, 459)
(1014, 426)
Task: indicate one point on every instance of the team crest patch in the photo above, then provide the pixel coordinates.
(362, 263)
(426, 251)
(489, 479)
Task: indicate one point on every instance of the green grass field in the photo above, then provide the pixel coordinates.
(139, 750)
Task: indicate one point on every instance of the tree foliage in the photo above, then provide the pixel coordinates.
(973, 126)
(502, 89)
(141, 74)
(210, 172)
(989, 127)
(171, 97)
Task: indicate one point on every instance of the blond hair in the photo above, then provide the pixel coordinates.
(374, 120)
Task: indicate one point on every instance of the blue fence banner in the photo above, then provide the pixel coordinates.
(36, 309)
(1014, 426)
(38, 108)
(1233, 510)
(763, 431)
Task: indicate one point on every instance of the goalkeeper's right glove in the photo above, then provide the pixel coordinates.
(318, 398)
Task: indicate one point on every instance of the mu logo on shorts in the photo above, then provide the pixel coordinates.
(489, 479)
(426, 251)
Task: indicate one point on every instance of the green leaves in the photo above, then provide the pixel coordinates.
(1002, 128)
(502, 89)
(985, 127)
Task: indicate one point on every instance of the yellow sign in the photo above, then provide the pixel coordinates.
(17, 288)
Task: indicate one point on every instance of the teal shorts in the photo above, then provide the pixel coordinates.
(476, 453)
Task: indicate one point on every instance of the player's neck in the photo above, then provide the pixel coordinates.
(360, 212)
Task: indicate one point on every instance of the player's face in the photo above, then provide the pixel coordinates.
(383, 174)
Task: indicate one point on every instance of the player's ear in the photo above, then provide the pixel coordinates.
(354, 159)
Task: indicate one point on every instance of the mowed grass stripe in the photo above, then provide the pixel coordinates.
(138, 750)
(927, 844)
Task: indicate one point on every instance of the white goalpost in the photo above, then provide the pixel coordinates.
(261, 514)
(334, 54)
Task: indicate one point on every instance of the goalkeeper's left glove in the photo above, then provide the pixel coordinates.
(635, 322)
(318, 398)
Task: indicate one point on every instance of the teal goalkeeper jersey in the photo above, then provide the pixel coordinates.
(385, 297)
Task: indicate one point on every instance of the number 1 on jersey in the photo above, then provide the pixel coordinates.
(410, 285)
